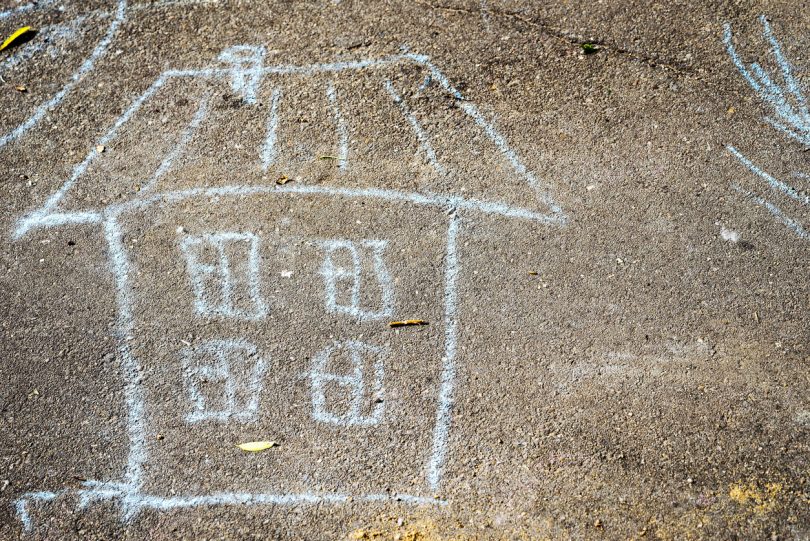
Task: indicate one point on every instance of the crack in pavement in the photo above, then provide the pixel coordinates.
(567, 37)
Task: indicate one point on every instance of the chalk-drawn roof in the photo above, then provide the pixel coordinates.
(391, 129)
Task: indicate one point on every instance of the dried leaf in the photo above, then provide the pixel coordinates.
(407, 322)
(283, 179)
(256, 446)
(15, 36)
(20, 88)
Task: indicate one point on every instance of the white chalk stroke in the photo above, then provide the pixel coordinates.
(24, 8)
(421, 136)
(442, 430)
(52, 40)
(360, 390)
(67, 33)
(774, 183)
(269, 149)
(157, 4)
(790, 117)
(340, 126)
(244, 72)
(86, 67)
(181, 145)
(777, 213)
(220, 385)
(22, 506)
(787, 100)
(245, 67)
(224, 273)
(224, 377)
(342, 272)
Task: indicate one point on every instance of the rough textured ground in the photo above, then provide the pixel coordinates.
(637, 369)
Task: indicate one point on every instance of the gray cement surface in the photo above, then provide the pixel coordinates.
(212, 210)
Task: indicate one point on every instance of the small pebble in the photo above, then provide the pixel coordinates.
(729, 235)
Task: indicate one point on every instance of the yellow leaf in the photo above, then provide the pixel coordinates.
(13, 37)
(407, 322)
(256, 446)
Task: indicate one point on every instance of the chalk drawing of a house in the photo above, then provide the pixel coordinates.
(236, 308)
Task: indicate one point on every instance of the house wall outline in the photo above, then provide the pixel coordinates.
(127, 490)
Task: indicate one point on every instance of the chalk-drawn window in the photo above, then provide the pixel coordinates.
(223, 379)
(355, 275)
(224, 273)
(245, 63)
(347, 384)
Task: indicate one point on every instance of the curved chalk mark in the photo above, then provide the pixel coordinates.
(789, 104)
(86, 67)
(777, 213)
(773, 182)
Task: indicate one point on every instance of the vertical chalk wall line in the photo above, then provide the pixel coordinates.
(130, 369)
(444, 411)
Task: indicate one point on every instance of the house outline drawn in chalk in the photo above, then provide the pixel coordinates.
(452, 209)
(790, 117)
